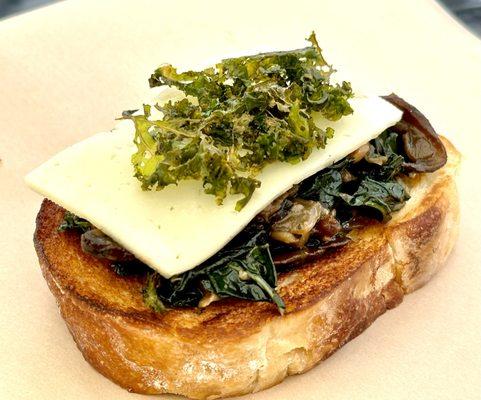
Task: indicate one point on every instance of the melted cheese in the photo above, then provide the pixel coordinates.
(175, 229)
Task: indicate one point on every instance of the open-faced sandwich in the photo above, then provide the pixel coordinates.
(244, 226)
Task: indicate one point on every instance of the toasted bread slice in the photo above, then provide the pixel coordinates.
(235, 347)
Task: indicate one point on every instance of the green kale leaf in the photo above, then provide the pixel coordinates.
(245, 271)
(71, 221)
(385, 145)
(253, 278)
(368, 185)
(382, 197)
(324, 187)
(238, 116)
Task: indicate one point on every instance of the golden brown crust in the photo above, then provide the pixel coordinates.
(234, 347)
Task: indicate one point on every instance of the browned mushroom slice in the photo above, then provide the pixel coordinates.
(100, 245)
(294, 229)
(421, 143)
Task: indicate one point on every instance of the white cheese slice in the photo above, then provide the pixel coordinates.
(175, 229)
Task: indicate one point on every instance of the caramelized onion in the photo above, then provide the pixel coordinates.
(276, 205)
(327, 227)
(360, 153)
(294, 229)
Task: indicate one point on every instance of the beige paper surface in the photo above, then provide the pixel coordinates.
(68, 70)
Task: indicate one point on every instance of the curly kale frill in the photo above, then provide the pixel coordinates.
(236, 118)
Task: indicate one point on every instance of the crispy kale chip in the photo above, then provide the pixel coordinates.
(239, 116)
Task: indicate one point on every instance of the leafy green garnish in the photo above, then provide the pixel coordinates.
(383, 197)
(253, 278)
(371, 185)
(71, 221)
(240, 115)
(386, 144)
(246, 272)
(325, 188)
